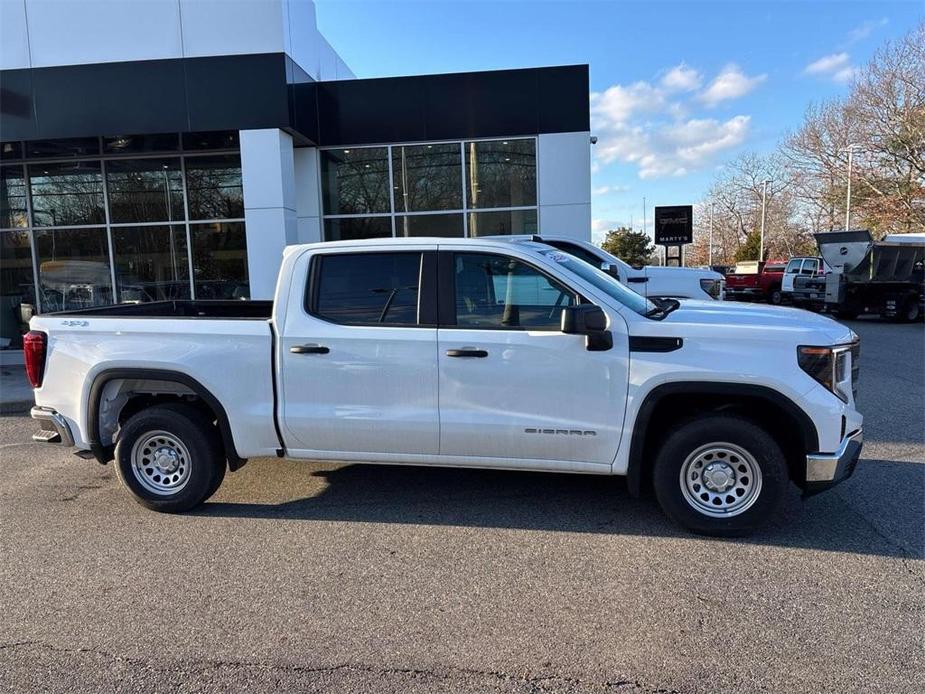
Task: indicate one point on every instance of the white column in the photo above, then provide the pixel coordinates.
(267, 172)
(307, 196)
(564, 171)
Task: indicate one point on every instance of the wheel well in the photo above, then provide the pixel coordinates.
(116, 396)
(789, 426)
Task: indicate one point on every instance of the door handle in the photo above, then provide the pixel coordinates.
(309, 349)
(480, 353)
(636, 280)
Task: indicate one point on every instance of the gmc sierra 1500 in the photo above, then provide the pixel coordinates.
(469, 352)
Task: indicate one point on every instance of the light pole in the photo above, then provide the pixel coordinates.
(764, 206)
(711, 234)
(850, 150)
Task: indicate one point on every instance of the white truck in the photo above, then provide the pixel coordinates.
(650, 281)
(470, 352)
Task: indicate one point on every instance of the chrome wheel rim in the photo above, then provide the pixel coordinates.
(720, 480)
(160, 463)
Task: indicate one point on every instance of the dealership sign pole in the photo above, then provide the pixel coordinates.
(674, 227)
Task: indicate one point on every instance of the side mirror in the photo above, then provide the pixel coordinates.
(611, 269)
(590, 321)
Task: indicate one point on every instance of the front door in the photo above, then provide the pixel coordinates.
(512, 385)
(358, 358)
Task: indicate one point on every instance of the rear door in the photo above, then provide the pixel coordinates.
(790, 273)
(358, 356)
(512, 385)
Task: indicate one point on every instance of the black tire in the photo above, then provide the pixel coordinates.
(201, 466)
(775, 297)
(911, 312)
(690, 440)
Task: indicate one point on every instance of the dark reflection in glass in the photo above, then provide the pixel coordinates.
(73, 268)
(219, 139)
(152, 263)
(67, 193)
(73, 147)
(427, 177)
(10, 150)
(220, 261)
(355, 181)
(369, 288)
(145, 190)
(124, 144)
(501, 173)
(450, 225)
(357, 228)
(17, 286)
(13, 197)
(214, 187)
(501, 223)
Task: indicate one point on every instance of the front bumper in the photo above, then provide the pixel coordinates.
(54, 428)
(825, 470)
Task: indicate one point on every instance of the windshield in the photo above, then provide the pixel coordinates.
(602, 281)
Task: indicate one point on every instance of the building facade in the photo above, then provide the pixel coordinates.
(177, 146)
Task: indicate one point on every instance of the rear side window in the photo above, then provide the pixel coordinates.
(502, 293)
(367, 288)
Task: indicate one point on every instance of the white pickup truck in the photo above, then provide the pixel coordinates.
(651, 281)
(471, 352)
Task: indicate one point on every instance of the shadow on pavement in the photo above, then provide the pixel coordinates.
(575, 503)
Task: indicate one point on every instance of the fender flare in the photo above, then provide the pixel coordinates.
(634, 472)
(105, 453)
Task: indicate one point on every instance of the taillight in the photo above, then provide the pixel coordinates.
(33, 346)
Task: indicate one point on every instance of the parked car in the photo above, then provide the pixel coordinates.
(756, 281)
(650, 281)
(467, 352)
(803, 283)
(884, 277)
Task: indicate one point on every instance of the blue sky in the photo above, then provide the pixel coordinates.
(677, 88)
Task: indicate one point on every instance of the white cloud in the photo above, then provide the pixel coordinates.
(730, 83)
(682, 78)
(606, 190)
(835, 66)
(618, 103)
(865, 29)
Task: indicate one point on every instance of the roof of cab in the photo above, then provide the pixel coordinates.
(398, 242)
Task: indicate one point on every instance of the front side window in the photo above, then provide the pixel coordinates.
(367, 288)
(498, 292)
(793, 267)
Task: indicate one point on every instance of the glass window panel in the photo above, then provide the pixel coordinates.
(13, 197)
(427, 177)
(73, 268)
(501, 173)
(10, 150)
(220, 260)
(355, 181)
(357, 228)
(123, 144)
(219, 139)
(213, 185)
(450, 225)
(497, 292)
(73, 147)
(152, 263)
(68, 193)
(369, 288)
(17, 285)
(502, 223)
(145, 190)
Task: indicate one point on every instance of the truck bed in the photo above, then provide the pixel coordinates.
(220, 309)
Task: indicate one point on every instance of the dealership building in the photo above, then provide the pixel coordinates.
(170, 149)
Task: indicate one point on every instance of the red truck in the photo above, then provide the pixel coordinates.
(754, 281)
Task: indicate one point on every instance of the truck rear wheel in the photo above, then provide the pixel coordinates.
(170, 458)
(720, 475)
(775, 296)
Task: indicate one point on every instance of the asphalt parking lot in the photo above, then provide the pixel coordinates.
(376, 579)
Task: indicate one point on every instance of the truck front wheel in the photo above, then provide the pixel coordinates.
(170, 457)
(720, 475)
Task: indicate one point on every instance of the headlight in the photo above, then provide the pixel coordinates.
(832, 367)
(712, 287)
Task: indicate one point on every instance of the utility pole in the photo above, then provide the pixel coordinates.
(850, 149)
(710, 262)
(764, 206)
